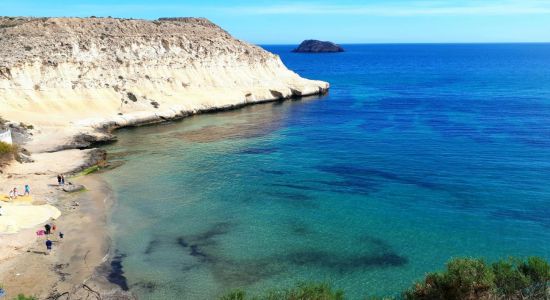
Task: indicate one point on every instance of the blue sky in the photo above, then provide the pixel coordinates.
(289, 22)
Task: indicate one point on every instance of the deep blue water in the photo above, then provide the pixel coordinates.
(418, 154)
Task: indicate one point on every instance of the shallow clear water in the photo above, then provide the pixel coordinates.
(419, 153)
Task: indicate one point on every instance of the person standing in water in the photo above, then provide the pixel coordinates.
(27, 190)
(49, 245)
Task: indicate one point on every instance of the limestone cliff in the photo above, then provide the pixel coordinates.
(92, 72)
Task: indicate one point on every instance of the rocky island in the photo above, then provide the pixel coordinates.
(315, 46)
(65, 84)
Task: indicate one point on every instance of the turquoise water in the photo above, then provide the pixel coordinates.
(419, 153)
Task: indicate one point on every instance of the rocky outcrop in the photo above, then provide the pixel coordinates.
(90, 73)
(315, 46)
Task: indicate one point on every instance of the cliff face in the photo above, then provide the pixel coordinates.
(98, 71)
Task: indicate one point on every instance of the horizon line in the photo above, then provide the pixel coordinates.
(411, 43)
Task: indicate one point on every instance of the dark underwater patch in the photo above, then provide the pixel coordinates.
(116, 274)
(289, 196)
(198, 245)
(353, 174)
(300, 228)
(292, 198)
(296, 186)
(352, 185)
(197, 252)
(146, 286)
(233, 273)
(182, 242)
(151, 246)
(206, 237)
(258, 151)
(540, 216)
(345, 264)
(274, 172)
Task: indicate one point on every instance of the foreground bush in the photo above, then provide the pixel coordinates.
(474, 279)
(463, 278)
(303, 291)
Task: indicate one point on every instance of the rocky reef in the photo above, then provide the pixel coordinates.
(315, 46)
(106, 72)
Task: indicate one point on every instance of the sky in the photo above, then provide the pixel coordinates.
(345, 21)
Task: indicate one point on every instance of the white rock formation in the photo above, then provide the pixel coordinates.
(77, 74)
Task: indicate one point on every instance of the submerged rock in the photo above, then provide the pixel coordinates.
(315, 46)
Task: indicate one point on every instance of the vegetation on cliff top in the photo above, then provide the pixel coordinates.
(7, 152)
(463, 278)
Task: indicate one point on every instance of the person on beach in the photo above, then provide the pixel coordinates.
(62, 180)
(49, 245)
(61, 235)
(58, 179)
(27, 190)
(13, 194)
(54, 227)
(48, 228)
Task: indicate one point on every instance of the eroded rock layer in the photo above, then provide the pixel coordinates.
(95, 71)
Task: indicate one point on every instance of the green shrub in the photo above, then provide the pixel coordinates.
(6, 148)
(311, 291)
(538, 272)
(7, 153)
(23, 297)
(537, 269)
(303, 291)
(509, 280)
(235, 295)
(464, 278)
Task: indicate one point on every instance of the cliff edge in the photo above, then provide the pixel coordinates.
(81, 74)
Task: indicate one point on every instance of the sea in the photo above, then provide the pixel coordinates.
(419, 153)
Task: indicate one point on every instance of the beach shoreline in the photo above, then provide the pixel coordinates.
(68, 273)
(78, 263)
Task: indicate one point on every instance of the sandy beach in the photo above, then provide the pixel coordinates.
(76, 267)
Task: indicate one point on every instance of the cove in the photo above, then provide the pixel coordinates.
(418, 154)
